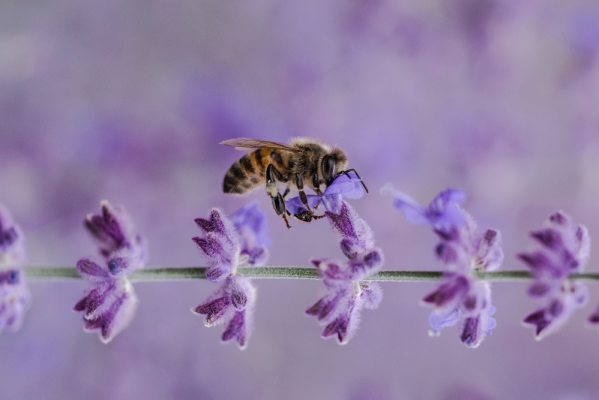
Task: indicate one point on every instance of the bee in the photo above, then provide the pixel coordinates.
(303, 163)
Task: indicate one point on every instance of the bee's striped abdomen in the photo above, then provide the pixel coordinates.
(246, 173)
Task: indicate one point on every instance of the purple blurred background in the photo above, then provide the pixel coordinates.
(128, 102)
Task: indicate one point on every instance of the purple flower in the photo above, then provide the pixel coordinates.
(250, 224)
(110, 302)
(347, 185)
(443, 214)
(563, 249)
(461, 297)
(12, 244)
(220, 243)
(115, 236)
(232, 304)
(15, 298)
(594, 318)
(227, 243)
(346, 291)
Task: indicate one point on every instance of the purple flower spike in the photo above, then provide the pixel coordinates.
(227, 243)
(109, 304)
(460, 297)
(346, 185)
(220, 244)
(15, 299)
(250, 223)
(444, 213)
(232, 304)
(563, 248)
(448, 295)
(115, 236)
(346, 291)
(477, 311)
(12, 244)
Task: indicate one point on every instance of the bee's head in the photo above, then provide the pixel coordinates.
(331, 164)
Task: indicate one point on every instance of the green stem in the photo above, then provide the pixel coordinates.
(185, 273)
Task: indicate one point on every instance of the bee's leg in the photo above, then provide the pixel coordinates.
(316, 184)
(286, 192)
(278, 202)
(346, 173)
(299, 182)
(308, 216)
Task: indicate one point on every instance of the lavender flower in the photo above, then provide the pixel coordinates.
(12, 244)
(460, 298)
(250, 223)
(346, 292)
(220, 244)
(443, 214)
(564, 248)
(232, 304)
(115, 236)
(227, 243)
(347, 185)
(15, 298)
(110, 302)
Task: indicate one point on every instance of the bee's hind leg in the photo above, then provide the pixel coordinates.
(278, 200)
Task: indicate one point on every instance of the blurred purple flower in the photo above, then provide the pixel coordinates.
(347, 185)
(250, 223)
(110, 302)
(564, 248)
(461, 297)
(12, 243)
(114, 234)
(594, 318)
(15, 298)
(227, 243)
(443, 213)
(346, 292)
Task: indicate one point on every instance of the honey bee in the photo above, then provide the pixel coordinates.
(303, 163)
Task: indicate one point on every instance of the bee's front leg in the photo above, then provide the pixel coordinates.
(299, 183)
(346, 173)
(278, 201)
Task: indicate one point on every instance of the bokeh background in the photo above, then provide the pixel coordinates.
(127, 101)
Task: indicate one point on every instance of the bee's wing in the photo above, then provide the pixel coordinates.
(246, 143)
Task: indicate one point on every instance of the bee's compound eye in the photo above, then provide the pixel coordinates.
(328, 169)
